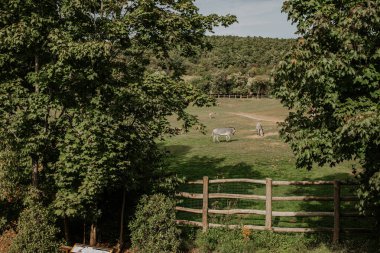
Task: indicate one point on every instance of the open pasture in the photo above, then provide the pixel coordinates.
(194, 155)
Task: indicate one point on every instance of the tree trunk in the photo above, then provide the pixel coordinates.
(93, 234)
(66, 227)
(37, 70)
(121, 237)
(34, 156)
(84, 233)
(35, 171)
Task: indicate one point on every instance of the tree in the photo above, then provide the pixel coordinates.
(260, 85)
(226, 67)
(80, 107)
(330, 81)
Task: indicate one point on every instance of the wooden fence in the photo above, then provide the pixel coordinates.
(239, 96)
(268, 212)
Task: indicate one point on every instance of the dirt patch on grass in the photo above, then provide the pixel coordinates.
(255, 136)
(259, 117)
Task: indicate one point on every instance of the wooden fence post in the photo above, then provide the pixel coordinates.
(205, 204)
(268, 204)
(336, 211)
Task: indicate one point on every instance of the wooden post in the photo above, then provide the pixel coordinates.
(93, 235)
(205, 204)
(268, 205)
(336, 211)
(121, 235)
(84, 233)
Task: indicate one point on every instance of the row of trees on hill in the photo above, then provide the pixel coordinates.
(237, 65)
(242, 53)
(79, 113)
(234, 65)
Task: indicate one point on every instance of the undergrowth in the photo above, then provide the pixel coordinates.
(224, 240)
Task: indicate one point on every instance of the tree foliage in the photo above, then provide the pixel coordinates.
(330, 81)
(79, 110)
(230, 63)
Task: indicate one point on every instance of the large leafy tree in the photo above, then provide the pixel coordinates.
(79, 113)
(330, 81)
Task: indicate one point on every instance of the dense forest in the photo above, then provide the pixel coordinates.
(235, 65)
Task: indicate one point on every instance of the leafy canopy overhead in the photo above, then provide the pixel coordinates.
(330, 81)
(81, 111)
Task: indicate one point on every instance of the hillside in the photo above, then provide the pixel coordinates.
(235, 64)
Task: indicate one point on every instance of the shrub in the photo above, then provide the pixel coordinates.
(6, 239)
(35, 231)
(154, 229)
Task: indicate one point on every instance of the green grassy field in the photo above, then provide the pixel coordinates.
(194, 155)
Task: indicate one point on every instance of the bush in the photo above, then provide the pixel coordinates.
(6, 239)
(154, 229)
(35, 231)
(224, 240)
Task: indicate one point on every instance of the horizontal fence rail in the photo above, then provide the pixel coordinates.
(240, 96)
(268, 212)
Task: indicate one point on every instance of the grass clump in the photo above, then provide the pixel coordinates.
(220, 240)
(223, 240)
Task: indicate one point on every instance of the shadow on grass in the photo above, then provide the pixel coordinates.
(352, 239)
(215, 168)
(176, 150)
(195, 167)
(224, 140)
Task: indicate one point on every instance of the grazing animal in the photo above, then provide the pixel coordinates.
(226, 131)
(259, 129)
(211, 115)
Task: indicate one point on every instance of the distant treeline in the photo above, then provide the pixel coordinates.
(234, 65)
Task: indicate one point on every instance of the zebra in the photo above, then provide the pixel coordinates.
(226, 131)
(259, 129)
